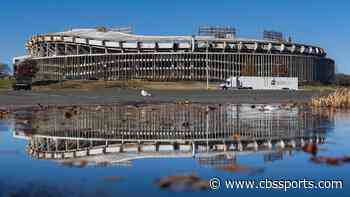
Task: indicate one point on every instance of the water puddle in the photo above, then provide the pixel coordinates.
(117, 144)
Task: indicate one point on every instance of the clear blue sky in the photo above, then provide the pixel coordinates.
(319, 22)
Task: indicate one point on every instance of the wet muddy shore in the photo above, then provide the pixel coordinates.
(117, 95)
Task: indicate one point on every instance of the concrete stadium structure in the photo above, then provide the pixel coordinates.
(116, 55)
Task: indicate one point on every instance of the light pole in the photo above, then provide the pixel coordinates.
(207, 127)
(207, 64)
(105, 74)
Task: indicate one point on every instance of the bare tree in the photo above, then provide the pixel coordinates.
(3, 67)
(26, 68)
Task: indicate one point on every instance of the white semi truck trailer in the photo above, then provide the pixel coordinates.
(261, 83)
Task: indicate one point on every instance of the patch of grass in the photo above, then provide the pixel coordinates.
(6, 84)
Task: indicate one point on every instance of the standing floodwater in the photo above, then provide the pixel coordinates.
(164, 149)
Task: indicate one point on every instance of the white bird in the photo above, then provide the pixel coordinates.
(145, 93)
(268, 108)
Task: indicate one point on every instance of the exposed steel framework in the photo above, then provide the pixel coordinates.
(113, 55)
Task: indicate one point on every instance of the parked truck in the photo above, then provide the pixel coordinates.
(261, 83)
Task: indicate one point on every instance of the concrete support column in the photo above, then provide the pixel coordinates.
(255, 146)
(269, 145)
(310, 141)
(193, 44)
(302, 142)
(121, 148)
(47, 49)
(139, 147)
(157, 147)
(78, 50)
(281, 144)
(240, 146)
(56, 49)
(317, 140)
(194, 149)
(176, 146)
(292, 143)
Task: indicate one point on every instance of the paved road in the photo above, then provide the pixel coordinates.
(117, 95)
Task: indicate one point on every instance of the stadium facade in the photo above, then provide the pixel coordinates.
(116, 54)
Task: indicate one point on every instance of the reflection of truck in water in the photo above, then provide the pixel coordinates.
(261, 83)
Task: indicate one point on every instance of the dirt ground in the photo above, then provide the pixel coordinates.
(130, 84)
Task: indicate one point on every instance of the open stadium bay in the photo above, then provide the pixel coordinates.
(169, 149)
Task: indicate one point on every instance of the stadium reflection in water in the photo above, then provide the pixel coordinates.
(211, 134)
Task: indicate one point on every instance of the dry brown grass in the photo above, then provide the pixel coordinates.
(339, 99)
(132, 84)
